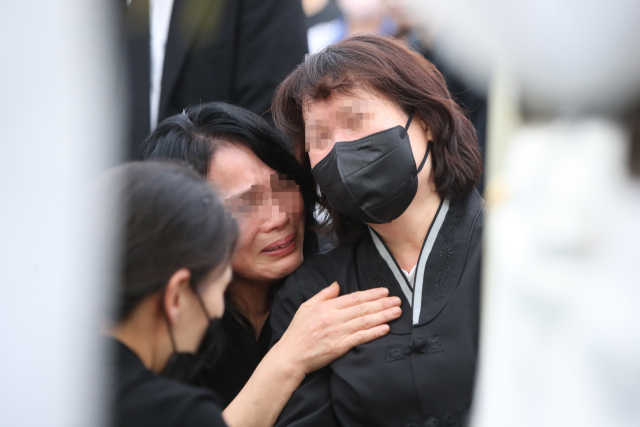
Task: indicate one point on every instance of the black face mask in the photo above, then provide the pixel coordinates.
(184, 366)
(373, 179)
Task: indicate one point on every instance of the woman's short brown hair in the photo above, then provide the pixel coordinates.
(394, 72)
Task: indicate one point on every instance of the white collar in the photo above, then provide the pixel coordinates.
(413, 291)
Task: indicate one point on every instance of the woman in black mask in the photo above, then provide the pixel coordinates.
(177, 246)
(396, 161)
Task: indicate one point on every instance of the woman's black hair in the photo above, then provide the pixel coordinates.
(171, 219)
(195, 135)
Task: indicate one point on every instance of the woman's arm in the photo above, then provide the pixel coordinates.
(323, 329)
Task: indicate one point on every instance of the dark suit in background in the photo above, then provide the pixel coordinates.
(236, 51)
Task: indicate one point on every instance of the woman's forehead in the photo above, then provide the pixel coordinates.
(226, 164)
(338, 106)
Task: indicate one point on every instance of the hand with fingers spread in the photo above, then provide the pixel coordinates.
(327, 326)
(324, 328)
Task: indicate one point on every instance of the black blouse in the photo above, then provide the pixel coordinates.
(240, 355)
(141, 398)
(237, 353)
(422, 373)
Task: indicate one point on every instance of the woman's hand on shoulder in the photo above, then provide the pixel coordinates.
(327, 326)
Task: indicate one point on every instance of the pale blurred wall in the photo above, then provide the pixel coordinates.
(59, 127)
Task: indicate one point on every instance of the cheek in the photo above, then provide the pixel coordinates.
(244, 250)
(214, 300)
(218, 305)
(292, 205)
(299, 206)
(316, 156)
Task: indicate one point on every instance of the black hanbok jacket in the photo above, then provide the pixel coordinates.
(422, 373)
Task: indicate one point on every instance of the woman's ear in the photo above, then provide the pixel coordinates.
(423, 125)
(175, 294)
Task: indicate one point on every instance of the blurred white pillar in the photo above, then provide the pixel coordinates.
(59, 128)
(560, 335)
(561, 325)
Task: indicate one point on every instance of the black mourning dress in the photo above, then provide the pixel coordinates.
(422, 373)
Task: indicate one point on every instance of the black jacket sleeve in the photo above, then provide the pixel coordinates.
(272, 41)
(202, 413)
(310, 404)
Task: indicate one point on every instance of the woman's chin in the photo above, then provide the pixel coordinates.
(291, 263)
(281, 268)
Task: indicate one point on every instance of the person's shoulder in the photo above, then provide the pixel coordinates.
(155, 400)
(319, 271)
(338, 254)
(316, 273)
(193, 406)
(325, 265)
(472, 202)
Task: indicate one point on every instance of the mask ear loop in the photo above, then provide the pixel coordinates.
(172, 338)
(206, 313)
(169, 325)
(204, 308)
(406, 128)
(424, 159)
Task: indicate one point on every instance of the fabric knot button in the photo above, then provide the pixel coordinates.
(394, 352)
(418, 343)
(434, 344)
(432, 422)
(450, 419)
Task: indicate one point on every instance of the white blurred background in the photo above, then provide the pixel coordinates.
(561, 319)
(561, 326)
(59, 128)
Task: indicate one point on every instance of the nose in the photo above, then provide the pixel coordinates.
(337, 135)
(276, 222)
(274, 217)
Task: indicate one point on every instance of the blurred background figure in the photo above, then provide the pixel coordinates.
(561, 325)
(319, 11)
(356, 16)
(60, 127)
(187, 52)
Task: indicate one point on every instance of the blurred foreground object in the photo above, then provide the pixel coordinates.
(59, 129)
(569, 56)
(561, 326)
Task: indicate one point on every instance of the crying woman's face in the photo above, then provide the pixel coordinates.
(269, 209)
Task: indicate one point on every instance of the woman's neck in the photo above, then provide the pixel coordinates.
(145, 333)
(405, 235)
(251, 298)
